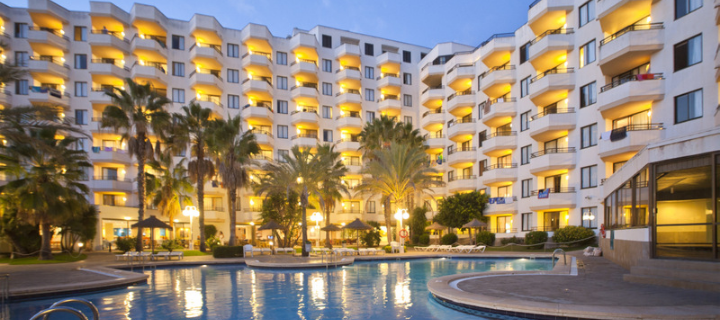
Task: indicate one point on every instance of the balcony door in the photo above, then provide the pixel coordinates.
(554, 183)
(551, 220)
(109, 174)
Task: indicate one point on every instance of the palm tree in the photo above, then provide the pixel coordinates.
(170, 188)
(134, 113)
(233, 151)
(377, 134)
(396, 173)
(197, 126)
(301, 173)
(10, 71)
(332, 187)
(47, 183)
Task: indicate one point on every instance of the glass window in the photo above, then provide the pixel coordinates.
(327, 135)
(407, 56)
(22, 58)
(688, 52)
(233, 50)
(525, 154)
(80, 61)
(21, 87)
(80, 33)
(81, 89)
(588, 95)
(233, 75)
(81, 117)
(281, 58)
(589, 217)
(178, 95)
(588, 177)
(282, 154)
(282, 106)
(688, 106)
(526, 187)
(327, 112)
(524, 121)
(370, 207)
(326, 65)
(282, 132)
(369, 116)
(587, 53)
(524, 52)
(327, 89)
(524, 86)
(369, 49)
(326, 41)
(21, 30)
(178, 42)
(282, 83)
(408, 119)
(587, 12)
(683, 7)
(369, 73)
(527, 221)
(369, 95)
(233, 101)
(407, 100)
(178, 69)
(589, 136)
(407, 78)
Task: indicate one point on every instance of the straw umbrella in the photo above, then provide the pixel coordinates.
(474, 224)
(358, 225)
(330, 228)
(272, 225)
(152, 223)
(436, 226)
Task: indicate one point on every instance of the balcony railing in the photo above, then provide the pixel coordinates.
(259, 53)
(161, 40)
(434, 136)
(351, 91)
(117, 34)
(493, 69)
(352, 114)
(213, 208)
(209, 98)
(305, 85)
(554, 190)
(351, 210)
(552, 71)
(457, 121)
(433, 88)
(385, 75)
(502, 134)
(549, 32)
(461, 149)
(551, 111)
(462, 177)
(497, 36)
(305, 135)
(347, 68)
(459, 65)
(51, 91)
(217, 47)
(268, 80)
(552, 151)
(501, 166)
(305, 109)
(110, 61)
(436, 111)
(503, 230)
(260, 104)
(638, 77)
(487, 104)
(262, 131)
(460, 93)
(255, 208)
(162, 66)
(388, 97)
(635, 27)
(620, 133)
(56, 60)
(53, 31)
(352, 162)
(262, 157)
(110, 178)
(216, 73)
(298, 60)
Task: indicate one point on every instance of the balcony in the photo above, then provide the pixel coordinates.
(389, 104)
(460, 156)
(387, 58)
(348, 97)
(305, 93)
(303, 40)
(556, 198)
(52, 66)
(349, 120)
(150, 43)
(614, 15)
(552, 161)
(390, 81)
(499, 174)
(48, 96)
(501, 208)
(153, 70)
(304, 67)
(305, 140)
(547, 49)
(546, 14)
(211, 102)
(431, 73)
(111, 183)
(553, 123)
(110, 154)
(259, 111)
(432, 97)
(551, 85)
(347, 50)
(114, 39)
(498, 111)
(462, 183)
(49, 37)
(109, 67)
(460, 100)
(263, 136)
(630, 95)
(349, 76)
(306, 115)
(433, 119)
(435, 141)
(258, 87)
(498, 81)
(624, 142)
(630, 47)
(496, 50)
(499, 143)
(460, 75)
(461, 130)
(206, 78)
(348, 145)
(257, 59)
(98, 95)
(201, 50)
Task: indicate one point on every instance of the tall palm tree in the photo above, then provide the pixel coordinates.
(332, 187)
(377, 134)
(170, 189)
(198, 127)
(46, 183)
(299, 172)
(396, 173)
(135, 113)
(10, 71)
(233, 151)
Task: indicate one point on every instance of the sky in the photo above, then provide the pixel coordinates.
(419, 22)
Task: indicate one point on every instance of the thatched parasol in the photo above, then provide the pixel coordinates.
(272, 225)
(152, 223)
(330, 228)
(474, 224)
(437, 227)
(358, 225)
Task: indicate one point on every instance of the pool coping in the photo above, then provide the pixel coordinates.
(120, 279)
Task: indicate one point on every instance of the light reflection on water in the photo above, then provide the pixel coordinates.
(381, 290)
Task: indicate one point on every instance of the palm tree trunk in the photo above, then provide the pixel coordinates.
(45, 251)
(141, 189)
(327, 223)
(232, 194)
(388, 221)
(304, 202)
(201, 195)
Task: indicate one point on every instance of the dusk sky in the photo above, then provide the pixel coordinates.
(425, 22)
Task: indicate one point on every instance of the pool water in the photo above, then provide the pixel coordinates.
(378, 290)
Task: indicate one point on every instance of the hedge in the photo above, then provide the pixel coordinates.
(574, 233)
(449, 238)
(228, 252)
(424, 239)
(536, 237)
(485, 237)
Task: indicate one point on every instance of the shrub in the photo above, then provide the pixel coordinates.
(536, 237)
(125, 244)
(514, 239)
(171, 245)
(371, 238)
(210, 231)
(574, 233)
(424, 239)
(213, 242)
(228, 252)
(387, 249)
(449, 238)
(486, 238)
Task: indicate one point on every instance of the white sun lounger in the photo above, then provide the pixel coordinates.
(445, 248)
(480, 248)
(126, 255)
(179, 254)
(165, 255)
(428, 248)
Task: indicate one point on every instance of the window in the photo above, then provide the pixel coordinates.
(407, 78)
(327, 112)
(80, 61)
(178, 42)
(526, 185)
(588, 217)
(407, 100)
(588, 95)
(178, 95)
(369, 73)
(81, 143)
(81, 117)
(369, 94)
(688, 106)
(281, 58)
(21, 30)
(587, 12)
(408, 119)
(327, 135)
(587, 53)
(527, 219)
(688, 52)
(524, 121)
(21, 87)
(282, 107)
(524, 86)
(369, 49)
(21, 58)
(327, 89)
(370, 116)
(81, 89)
(683, 7)
(282, 154)
(326, 65)
(525, 154)
(282, 83)
(80, 33)
(282, 132)
(178, 69)
(524, 52)
(588, 136)
(233, 76)
(233, 101)
(370, 207)
(407, 56)
(326, 41)
(233, 50)
(588, 177)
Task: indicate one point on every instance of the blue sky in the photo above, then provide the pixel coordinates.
(420, 22)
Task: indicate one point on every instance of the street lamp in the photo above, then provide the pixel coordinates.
(191, 211)
(317, 217)
(401, 215)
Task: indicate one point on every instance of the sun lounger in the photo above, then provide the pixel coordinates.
(445, 248)
(179, 254)
(164, 255)
(480, 248)
(284, 250)
(364, 252)
(378, 251)
(124, 256)
(144, 255)
(428, 248)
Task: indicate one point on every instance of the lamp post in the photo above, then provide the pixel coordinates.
(127, 227)
(401, 215)
(191, 211)
(317, 217)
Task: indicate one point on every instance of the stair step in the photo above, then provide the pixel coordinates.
(689, 275)
(672, 282)
(680, 264)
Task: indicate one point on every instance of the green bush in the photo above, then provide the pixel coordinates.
(125, 244)
(387, 249)
(213, 242)
(371, 238)
(574, 233)
(210, 231)
(486, 238)
(424, 239)
(228, 252)
(449, 238)
(536, 237)
(171, 245)
(514, 239)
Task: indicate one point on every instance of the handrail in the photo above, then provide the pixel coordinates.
(162, 66)
(111, 178)
(458, 121)
(161, 40)
(303, 60)
(552, 111)
(73, 311)
(462, 177)
(351, 91)
(268, 80)
(501, 134)
(626, 79)
(551, 151)
(53, 31)
(259, 53)
(209, 98)
(560, 30)
(93, 308)
(305, 135)
(56, 60)
(434, 136)
(385, 75)
(262, 131)
(564, 257)
(436, 111)
(305, 109)
(433, 88)
(501, 166)
(313, 85)
(260, 104)
(638, 127)
(458, 66)
(347, 68)
(497, 68)
(110, 61)
(460, 93)
(389, 97)
(351, 114)
(634, 27)
(461, 149)
(554, 190)
(217, 47)
(555, 70)
(497, 36)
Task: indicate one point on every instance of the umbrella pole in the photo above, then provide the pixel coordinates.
(152, 240)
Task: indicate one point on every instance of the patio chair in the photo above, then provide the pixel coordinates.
(179, 254)
(394, 247)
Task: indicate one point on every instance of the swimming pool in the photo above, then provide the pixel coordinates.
(381, 290)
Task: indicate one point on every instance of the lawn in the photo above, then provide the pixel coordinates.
(528, 249)
(58, 258)
(193, 253)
